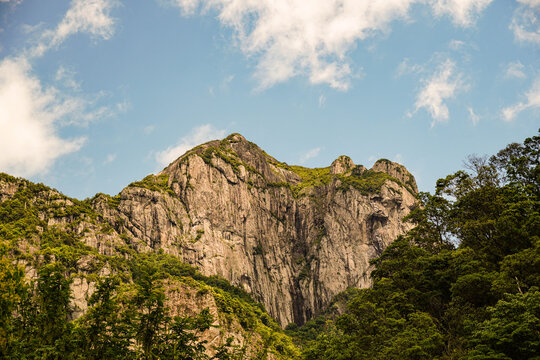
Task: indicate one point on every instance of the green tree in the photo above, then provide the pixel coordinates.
(512, 332)
(104, 332)
(12, 292)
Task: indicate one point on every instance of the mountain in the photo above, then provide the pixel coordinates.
(110, 277)
(292, 237)
(73, 287)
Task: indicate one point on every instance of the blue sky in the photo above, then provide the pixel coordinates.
(96, 94)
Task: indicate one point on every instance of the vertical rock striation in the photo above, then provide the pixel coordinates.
(291, 236)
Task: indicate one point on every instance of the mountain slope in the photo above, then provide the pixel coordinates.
(292, 237)
(50, 242)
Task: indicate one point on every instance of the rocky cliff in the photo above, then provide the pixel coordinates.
(293, 237)
(42, 229)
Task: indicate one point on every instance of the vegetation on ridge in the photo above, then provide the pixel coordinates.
(155, 183)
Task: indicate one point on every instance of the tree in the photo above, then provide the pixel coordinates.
(512, 332)
(12, 292)
(104, 332)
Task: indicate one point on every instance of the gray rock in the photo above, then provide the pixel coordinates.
(292, 237)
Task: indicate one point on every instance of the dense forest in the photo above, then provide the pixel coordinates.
(463, 284)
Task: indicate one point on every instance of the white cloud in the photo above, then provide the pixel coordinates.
(462, 12)
(109, 159)
(12, 3)
(406, 68)
(226, 81)
(289, 38)
(456, 44)
(475, 118)
(31, 113)
(532, 101)
(322, 101)
(149, 129)
(515, 70)
(310, 154)
(196, 137)
(67, 78)
(85, 16)
(526, 22)
(29, 142)
(442, 85)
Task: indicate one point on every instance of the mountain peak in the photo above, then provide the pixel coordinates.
(341, 165)
(397, 171)
(235, 137)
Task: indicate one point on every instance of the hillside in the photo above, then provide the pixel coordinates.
(172, 244)
(292, 237)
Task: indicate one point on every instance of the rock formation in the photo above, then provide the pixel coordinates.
(293, 237)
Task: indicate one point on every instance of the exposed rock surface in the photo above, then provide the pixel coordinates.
(293, 237)
(40, 226)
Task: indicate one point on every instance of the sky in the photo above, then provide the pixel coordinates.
(95, 94)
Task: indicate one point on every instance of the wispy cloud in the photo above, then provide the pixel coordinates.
(31, 113)
(67, 78)
(109, 159)
(462, 12)
(398, 158)
(515, 70)
(289, 38)
(475, 118)
(526, 22)
(196, 137)
(226, 81)
(442, 85)
(532, 101)
(310, 154)
(149, 129)
(405, 68)
(456, 44)
(84, 16)
(322, 101)
(29, 142)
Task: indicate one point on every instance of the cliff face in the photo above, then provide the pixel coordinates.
(40, 227)
(292, 237)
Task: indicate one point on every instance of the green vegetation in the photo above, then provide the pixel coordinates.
(310, 178)
(127, 316)
(224, 152)
(463, 284)
(155, 183)
(367, 182)
(200, 233)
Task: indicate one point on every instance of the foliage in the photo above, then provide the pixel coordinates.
(367, 182)
(512, 330)
(158, 183)
(127, 316)
(224, 152)
(463, 284)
